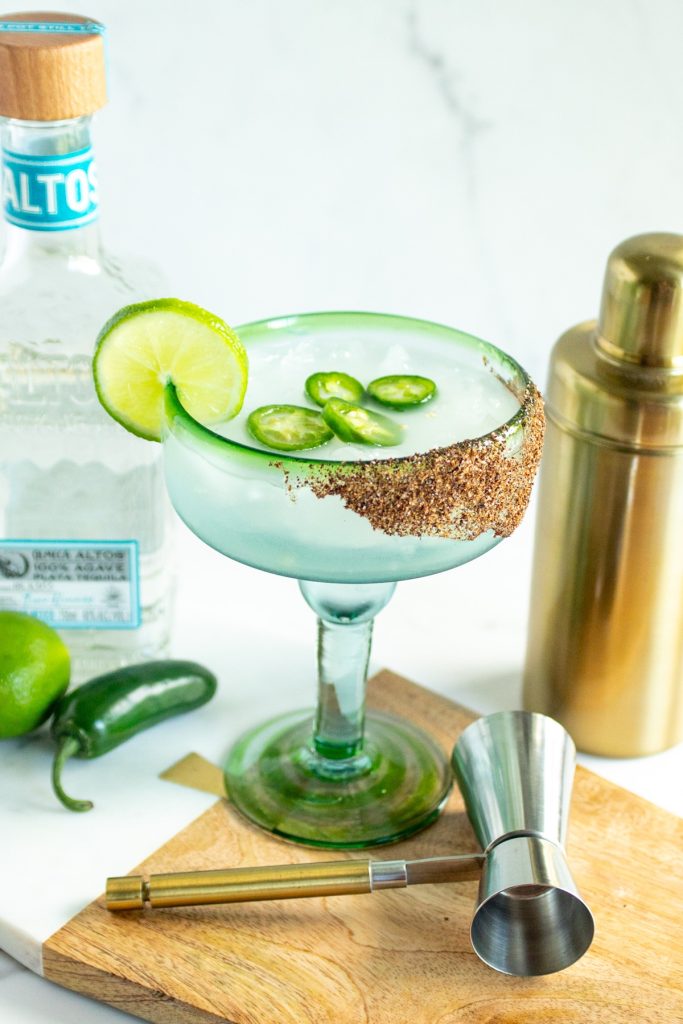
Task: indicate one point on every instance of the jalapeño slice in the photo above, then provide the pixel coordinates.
(288, 428)
(402, 390)
(335, 384)
(353, 423)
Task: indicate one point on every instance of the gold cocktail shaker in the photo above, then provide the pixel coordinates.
(605, 649)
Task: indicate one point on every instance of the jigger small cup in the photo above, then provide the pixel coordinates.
(515, 771)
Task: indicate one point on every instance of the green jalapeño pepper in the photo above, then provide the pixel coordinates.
(108, 710)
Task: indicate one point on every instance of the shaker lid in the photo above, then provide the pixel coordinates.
(48, 75)
(641, 318)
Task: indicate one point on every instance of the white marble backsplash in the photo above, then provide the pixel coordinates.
(467, 162)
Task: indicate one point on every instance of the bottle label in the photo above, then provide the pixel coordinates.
(72, 584)
(50, 193)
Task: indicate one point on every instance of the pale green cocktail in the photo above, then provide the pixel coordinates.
(249, 503)
(349, 521)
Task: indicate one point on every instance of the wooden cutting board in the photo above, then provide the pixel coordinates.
(400, 957)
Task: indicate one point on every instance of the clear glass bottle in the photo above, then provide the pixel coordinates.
(83, 514)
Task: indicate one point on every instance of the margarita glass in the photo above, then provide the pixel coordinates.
(349, 522)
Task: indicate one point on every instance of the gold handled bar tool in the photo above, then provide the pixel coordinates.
(285, 881)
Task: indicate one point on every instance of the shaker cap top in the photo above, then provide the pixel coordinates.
(641, 317)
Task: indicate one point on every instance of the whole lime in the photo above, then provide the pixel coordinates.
(34, 672)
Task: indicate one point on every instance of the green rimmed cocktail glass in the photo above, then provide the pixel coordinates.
(348, 529)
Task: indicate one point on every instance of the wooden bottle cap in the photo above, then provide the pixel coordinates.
(51, 75)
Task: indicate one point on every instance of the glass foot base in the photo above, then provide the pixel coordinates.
(396, 786)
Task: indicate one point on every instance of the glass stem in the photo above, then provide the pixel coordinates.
(343, 656)
(345, 613)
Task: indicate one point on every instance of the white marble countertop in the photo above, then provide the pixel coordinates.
(470, 163)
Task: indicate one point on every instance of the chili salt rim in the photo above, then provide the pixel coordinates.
(457, 492)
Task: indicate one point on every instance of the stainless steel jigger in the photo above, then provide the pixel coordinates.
(515, 770)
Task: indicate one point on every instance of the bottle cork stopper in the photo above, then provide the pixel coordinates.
(51, 75)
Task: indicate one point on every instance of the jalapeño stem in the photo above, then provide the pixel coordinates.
(68, 746)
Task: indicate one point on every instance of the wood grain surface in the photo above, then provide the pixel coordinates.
(51, 76)
(400, 957)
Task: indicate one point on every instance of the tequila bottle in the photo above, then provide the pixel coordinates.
(83, 516)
